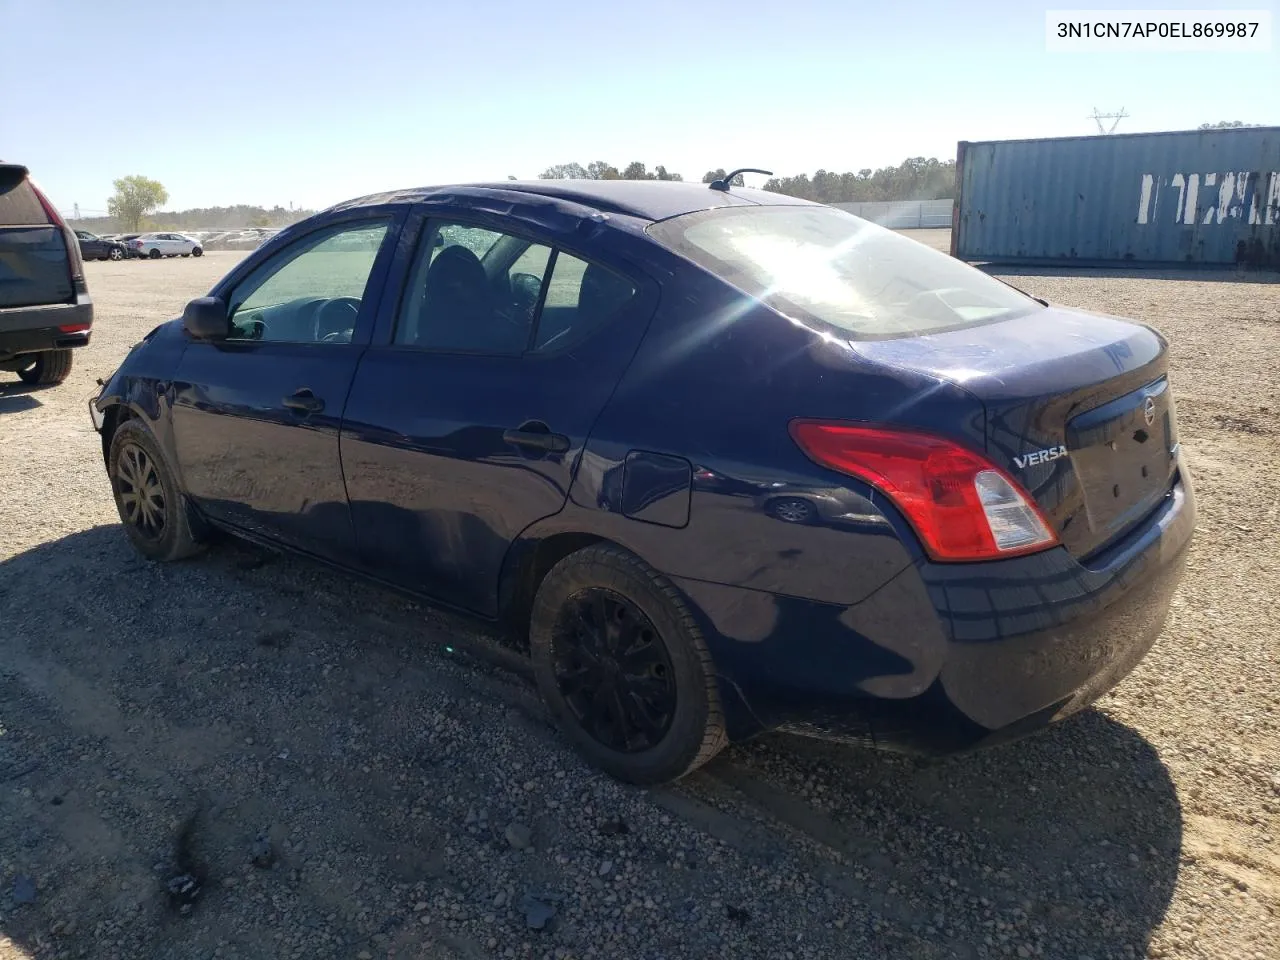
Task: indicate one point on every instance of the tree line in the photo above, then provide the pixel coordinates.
(135, 204)
(917, 178)
(198, 218)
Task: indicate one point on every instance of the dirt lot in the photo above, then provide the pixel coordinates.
(153, 720)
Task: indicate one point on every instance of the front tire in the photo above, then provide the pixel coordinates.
(50, 367)
(197, 252)
(155, 514)
(623, 668)
(115, 254)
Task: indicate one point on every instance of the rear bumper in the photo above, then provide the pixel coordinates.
(948, 657)
(33, 329)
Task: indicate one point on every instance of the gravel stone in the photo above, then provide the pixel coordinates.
(537, 913)
(24, 889)
(519, 836)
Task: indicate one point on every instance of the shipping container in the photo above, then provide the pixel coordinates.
(1204, 197)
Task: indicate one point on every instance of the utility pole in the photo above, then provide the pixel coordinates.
(1115, 119)
(77, 209)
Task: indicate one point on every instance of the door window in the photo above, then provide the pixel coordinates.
(475, 290)
(311, 291)
(581, 298)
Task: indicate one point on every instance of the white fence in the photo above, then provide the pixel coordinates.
(901, 214)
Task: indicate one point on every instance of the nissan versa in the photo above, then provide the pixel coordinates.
(726, 460)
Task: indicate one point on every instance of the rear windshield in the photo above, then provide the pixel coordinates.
(824, 264)
(19, 205)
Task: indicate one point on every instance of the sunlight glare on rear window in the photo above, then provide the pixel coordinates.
(803, 272)
(823, 267)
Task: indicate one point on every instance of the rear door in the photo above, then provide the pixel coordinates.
(256, 417)
(469, 412)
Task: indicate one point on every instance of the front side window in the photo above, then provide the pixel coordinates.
(475, 290)
(312, 290)
(825, 264)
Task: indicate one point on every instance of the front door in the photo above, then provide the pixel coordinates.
(256, 417)
(465, 427)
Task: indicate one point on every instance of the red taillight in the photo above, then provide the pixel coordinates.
(73, 327)
(962, 506)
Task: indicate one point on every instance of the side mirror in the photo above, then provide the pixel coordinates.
(205, 318)
(437, 240)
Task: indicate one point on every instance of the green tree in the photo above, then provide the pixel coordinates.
(135, 198)
(599, 170)
(916, 178)
(564, 171)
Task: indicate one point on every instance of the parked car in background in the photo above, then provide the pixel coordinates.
(726, 460)
(45, 309)
(100, 248)
(157, 245)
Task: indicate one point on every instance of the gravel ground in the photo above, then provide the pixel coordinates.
(339, 772)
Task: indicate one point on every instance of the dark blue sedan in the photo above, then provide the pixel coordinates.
(726, 461)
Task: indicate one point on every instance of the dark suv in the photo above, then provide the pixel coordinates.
(45, 310)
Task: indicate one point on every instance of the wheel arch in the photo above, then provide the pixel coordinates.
(527, 563)
(116, 414)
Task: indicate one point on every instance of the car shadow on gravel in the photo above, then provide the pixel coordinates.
(18, 397)
(1070, 837)
(156, 719)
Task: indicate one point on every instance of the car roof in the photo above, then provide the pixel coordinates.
(644, 199)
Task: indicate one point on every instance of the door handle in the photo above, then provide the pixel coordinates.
(536, 439)
(304, 401)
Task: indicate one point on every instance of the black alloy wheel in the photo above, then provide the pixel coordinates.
(613, 670)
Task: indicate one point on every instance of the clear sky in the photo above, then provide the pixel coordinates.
(315, 101)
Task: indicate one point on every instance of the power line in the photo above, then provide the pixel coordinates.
(1115, 119)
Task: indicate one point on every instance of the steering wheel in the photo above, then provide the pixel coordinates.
(335, 321)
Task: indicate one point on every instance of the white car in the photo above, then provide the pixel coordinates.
(157, 245)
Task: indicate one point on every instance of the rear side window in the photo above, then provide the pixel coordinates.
(818, 263)
(19, 205)
(581, 297)
(481, 291)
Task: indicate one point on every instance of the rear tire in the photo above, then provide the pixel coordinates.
(154, 254)
(658, 698)
(152, 508)
(51, 366)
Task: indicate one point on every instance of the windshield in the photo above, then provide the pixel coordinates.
(825, 264)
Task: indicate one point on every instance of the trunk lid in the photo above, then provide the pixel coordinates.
(1078, 410)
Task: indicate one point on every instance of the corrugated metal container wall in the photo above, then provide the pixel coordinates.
(1200, 196)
